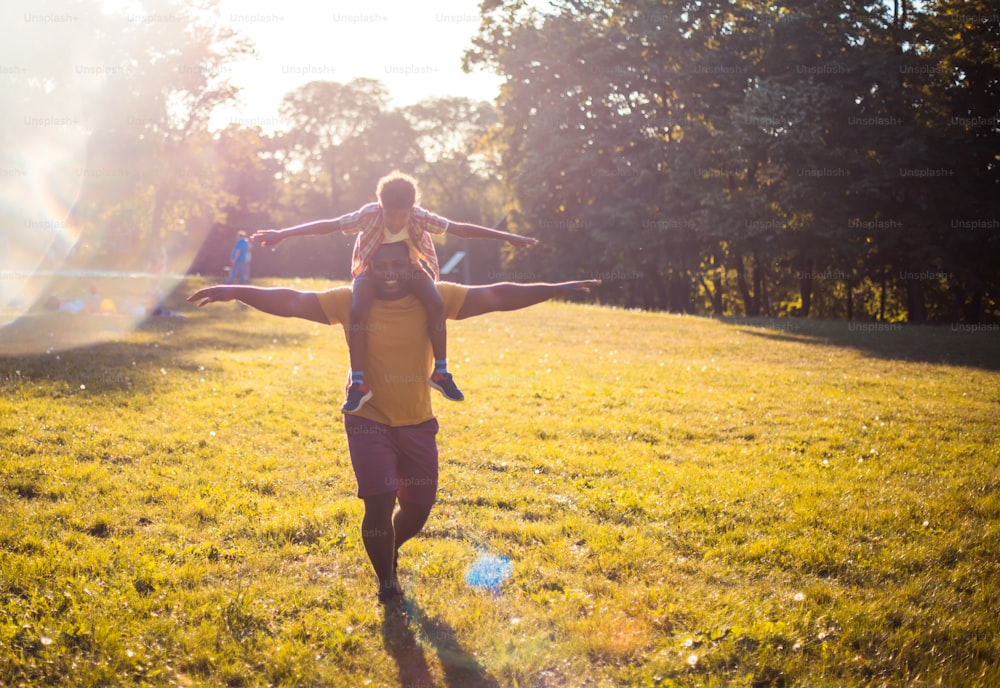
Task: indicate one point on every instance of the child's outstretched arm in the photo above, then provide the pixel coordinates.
(272, 237)
(470, 231)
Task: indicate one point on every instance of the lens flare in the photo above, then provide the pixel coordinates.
(489, 571)
(86, 252)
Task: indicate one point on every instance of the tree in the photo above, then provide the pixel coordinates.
(154, 179)
(249, 185)
(324, 116)
(457, 179)
(760, 151)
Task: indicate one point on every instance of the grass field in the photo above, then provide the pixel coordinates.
(685, 502)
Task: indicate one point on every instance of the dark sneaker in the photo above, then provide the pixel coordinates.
(357, 394)
(443, 383)
(389, 595)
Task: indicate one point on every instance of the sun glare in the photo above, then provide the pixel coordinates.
(48, 155)
(414, 50)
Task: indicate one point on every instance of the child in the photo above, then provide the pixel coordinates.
(239, 260)
(395, 217)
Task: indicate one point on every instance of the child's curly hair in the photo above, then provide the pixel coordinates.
(397, 190)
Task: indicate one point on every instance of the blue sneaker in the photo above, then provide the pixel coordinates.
(357, 394)
(444, 383)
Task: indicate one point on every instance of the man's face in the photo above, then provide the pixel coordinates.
(395, 218)
(391, 271)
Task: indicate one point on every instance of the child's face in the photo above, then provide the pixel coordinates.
(395, 218)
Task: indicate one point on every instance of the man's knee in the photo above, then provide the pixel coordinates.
(415, 511)
(379, 507)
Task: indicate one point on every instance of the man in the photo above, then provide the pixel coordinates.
(394, 217)
(392, 439)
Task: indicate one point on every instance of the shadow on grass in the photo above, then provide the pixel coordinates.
(127, 353)
(461, 669)
(957, 345)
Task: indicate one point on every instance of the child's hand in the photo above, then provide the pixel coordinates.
(521, 241)
(267, 237)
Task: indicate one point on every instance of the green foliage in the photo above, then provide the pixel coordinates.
(756, 158)
(685, 501)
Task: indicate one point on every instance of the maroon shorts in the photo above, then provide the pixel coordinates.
(403, 460)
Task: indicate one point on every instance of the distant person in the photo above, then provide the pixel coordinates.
(239, 260)
(393, 440)
(395, 218)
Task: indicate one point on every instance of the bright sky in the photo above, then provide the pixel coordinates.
(414, 49)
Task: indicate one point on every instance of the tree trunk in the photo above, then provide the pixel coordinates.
(881, 296)
(806, 289)
(850, 299)
(718, 298)
(759, 290)
(680, 294)
(749, 301)
(714, 291)
(975, 309)
(656, 292)
(916, 308)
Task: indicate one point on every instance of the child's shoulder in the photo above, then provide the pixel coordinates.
(366, 217)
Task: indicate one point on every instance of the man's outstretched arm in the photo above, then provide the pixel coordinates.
(508, 296)
(287, 303)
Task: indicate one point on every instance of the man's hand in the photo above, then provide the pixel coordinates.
(521, 241)
(569, 289)
(267, 237)
(214, 294)
(509, 296)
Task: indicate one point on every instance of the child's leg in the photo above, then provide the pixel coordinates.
(426, 292)
(362, 295)
(424, 289)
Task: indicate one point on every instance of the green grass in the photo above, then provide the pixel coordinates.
(685, 502)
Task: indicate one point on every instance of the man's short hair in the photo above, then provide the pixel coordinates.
(397, 190)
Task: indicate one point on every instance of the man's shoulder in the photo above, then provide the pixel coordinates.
(451, 287)
(453, 296)
(336, 303)
(340, 293)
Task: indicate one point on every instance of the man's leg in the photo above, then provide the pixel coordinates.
(377, 534)
(418, 478)
(409, 520)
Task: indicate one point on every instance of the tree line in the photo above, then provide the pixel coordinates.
(826, 158)
(814, 158)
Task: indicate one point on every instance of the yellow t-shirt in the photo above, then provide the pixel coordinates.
(399, 358)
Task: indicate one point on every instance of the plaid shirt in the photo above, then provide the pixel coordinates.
(367, 223)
